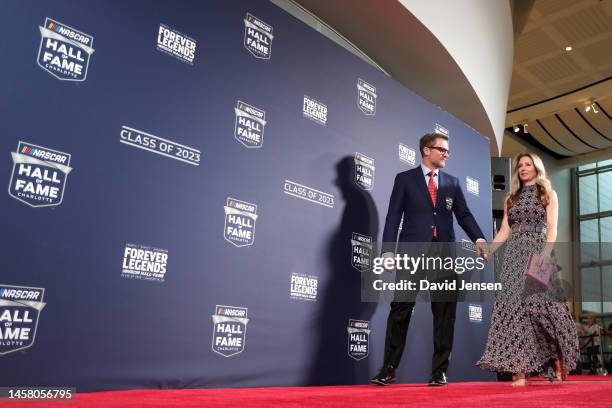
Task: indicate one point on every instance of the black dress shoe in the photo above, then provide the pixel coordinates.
(386, 376)
(438, 379)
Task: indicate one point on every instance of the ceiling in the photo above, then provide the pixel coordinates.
(551, 87)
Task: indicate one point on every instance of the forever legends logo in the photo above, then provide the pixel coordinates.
(64, 52)
(176, 44)
(475, 313)
(407, 154)
(229, 330)
(39, 175)
(472, 185)
(20, 308)
(144, 262)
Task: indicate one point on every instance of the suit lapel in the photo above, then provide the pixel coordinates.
(441, 180)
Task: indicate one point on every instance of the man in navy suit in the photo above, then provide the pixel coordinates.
(427, 198)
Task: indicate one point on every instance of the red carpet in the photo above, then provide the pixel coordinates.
(586, 391)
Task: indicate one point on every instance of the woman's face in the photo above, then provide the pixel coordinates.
(526, 169)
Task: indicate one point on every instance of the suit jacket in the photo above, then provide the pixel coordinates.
(410, 197)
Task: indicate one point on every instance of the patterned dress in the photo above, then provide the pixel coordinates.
(531, 324)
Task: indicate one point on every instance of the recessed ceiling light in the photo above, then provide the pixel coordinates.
(568, 48)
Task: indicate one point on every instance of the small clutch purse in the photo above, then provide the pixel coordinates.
(542, 273)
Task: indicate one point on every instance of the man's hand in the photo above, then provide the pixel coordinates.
(482, 248)
(388, 261)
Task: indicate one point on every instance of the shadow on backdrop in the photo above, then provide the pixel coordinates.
(341, 297)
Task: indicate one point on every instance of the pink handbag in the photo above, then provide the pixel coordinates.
(542, 273)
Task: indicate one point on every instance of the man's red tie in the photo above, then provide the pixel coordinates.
(434, 196)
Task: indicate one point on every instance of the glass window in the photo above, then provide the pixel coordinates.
(591, 290)
(594, 189)
(605, 191)
(588, 194)
(589, 241)
(591, 286)
(604, 163)
(606, 229)
(587, 167)
(591, 307)
(606, 288)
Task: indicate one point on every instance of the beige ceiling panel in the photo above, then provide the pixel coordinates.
(606, 103)
(533, 44)
(554, 69)
(514, 103)
(578, 125)
(598, 53)
(559, 132)
(584, 24)
(606, 71)
(519, 84)
(571, 84)
(548, 7)
(541, 136)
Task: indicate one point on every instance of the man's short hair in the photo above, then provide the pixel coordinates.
(429, 139)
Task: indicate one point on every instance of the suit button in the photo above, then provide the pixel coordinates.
(435, 213)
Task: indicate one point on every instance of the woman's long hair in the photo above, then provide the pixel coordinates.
(543, 183)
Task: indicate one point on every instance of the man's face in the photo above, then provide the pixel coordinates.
(437, 154)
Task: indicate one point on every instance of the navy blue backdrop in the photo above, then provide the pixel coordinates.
(184, 183)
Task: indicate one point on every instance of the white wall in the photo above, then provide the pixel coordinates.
(478, 35)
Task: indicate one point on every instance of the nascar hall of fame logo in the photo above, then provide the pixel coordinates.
(364, 171)
(441, 130)
(64, 52)
(473, 186)
(314, 110)
(229, 330)
(407, 154)
(39, 175)
(366, 97)
(475, 313)
(172, 42)
(250, 124)
(240, 218)
(258, 37)
(361, 255)
(358, 339)
(143, 262)
(20, 307)
(303, 287)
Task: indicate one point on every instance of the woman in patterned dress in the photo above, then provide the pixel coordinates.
(531, 324)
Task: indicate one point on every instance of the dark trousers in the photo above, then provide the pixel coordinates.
(443, 308)
(593, 357)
